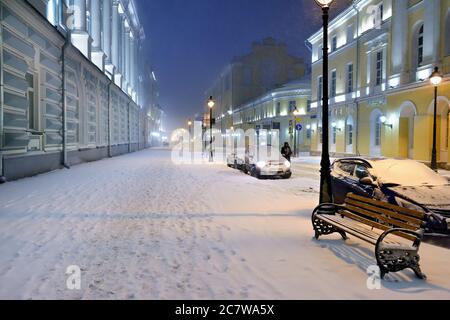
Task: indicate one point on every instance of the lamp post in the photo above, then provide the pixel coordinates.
(435, 79)
(211, 104)
(296, 113)
(326, 194)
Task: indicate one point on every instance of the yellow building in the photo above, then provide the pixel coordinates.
(382, 54)
(267, 66)
(275, 109)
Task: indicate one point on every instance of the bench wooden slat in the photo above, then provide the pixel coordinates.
(345, 227)
(374, 224)
(357, 229)
(389, 206)
(390, 221)
(377, 210)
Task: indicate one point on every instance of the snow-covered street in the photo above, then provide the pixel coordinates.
(141, 227)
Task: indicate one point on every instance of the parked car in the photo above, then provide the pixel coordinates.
(235, 161)
(406, 183)
(269, 168)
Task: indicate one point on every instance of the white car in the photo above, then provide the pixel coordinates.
(270, 168)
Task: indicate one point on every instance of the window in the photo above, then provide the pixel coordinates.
(319, 88)
(320, 135)
(350, 78)
(320, 51)
(308, 134)
(292, 106)
(308, 106)
(31, 102)
(346, 167)
(350, 134)
(350, 33)
(361, 172)
(333, 83)
(334, 135)
(278, 111)
(379, 15)
(420, 47)
(379, 68)
(334, 43)
(378, 132)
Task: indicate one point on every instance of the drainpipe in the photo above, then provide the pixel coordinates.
(64, 104)
(109, 119)
(129, 128)
(357, 76)
(2, 170)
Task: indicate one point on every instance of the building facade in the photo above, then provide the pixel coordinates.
(280, 110)
(266, 67)
(70, 89)
(382, 54)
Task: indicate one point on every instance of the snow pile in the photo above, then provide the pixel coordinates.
(406, 173)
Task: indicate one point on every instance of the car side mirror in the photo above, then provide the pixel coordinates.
(367, 181)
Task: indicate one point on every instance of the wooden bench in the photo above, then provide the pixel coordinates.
(395, 232)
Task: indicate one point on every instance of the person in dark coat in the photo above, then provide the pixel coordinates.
(286, 151)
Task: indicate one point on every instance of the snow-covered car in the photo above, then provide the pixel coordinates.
(406, 183)
(270, 168)
(235, 161)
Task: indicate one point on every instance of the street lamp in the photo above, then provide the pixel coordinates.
(296, 114)
(435, 79)
(211, 105)
(326, 194)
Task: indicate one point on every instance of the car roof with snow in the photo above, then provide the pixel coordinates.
(398, 171)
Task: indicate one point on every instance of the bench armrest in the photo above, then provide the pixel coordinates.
(327, 208)
(417, 234)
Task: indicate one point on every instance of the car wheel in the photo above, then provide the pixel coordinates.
(287, 176)
(254, 173)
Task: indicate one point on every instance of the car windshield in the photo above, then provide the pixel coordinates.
(406, 173)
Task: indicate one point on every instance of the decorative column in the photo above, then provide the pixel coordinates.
(431, 33)
(79, 36)
(132, 65)
(128, 58)
(115, 39)
(107, 37)
(123, 54)
(400, 40)
(97, 56)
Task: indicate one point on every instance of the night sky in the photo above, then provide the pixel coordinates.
(190, 41)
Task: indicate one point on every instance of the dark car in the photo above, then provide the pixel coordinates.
(406, 183)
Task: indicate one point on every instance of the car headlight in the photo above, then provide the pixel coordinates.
(287, 164)
(261, 164)
(408, 205)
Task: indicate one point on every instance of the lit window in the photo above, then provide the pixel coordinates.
(319, 88)
(378, 132)
(420, 47)
(333, 83)
(350, 78)
(379, 66)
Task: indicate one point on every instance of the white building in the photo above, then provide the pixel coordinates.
(70, 83)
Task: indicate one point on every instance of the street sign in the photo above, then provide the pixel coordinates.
(299, 127)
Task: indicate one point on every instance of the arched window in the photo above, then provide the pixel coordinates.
(420, 46)
(375, 133)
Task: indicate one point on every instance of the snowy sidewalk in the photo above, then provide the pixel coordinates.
(141, 227)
